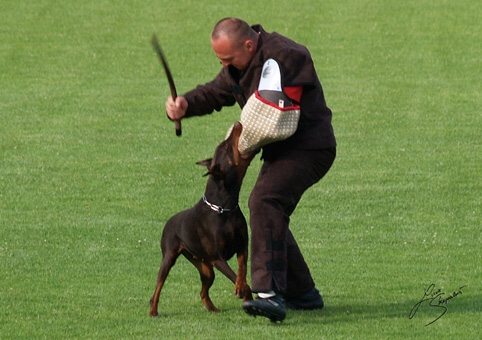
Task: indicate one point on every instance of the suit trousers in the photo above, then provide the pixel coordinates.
(276, 260)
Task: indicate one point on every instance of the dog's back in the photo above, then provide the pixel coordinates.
(206, 235)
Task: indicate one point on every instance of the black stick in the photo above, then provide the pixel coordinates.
(157, 48)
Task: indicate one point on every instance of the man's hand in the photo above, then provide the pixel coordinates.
(176, 109)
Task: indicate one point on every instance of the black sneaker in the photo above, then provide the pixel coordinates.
(308, 301)
(272, 308)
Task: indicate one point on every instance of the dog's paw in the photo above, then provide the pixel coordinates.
(243, 292)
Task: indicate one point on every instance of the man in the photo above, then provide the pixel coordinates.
(279, 272)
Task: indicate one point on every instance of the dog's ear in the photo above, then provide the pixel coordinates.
(215, 171)
(206, 162)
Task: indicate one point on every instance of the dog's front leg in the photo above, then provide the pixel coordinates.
(241, 288)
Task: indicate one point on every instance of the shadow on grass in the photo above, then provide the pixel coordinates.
(426, 313)
(337, 313)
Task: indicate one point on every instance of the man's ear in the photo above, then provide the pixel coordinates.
(249, 44)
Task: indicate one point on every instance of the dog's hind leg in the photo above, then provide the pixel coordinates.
(168, 260)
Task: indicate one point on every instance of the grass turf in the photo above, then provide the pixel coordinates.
(90, 168)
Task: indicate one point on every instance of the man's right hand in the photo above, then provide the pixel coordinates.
(176, 109)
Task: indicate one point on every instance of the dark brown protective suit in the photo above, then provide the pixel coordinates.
(290, 167)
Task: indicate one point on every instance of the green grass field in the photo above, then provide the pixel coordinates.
(90, 168)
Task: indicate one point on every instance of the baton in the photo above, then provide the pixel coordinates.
(157, 48)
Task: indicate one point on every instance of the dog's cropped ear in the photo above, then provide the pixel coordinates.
(206, 162)
(215, 171)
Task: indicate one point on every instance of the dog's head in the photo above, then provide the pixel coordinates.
(228, 164)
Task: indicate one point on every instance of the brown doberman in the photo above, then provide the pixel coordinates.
(215, 229)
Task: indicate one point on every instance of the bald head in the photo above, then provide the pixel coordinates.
(234, 42)
(236, 30)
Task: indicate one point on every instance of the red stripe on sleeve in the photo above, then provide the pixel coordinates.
(294, 92)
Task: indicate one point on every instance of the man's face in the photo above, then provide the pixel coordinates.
(228, 53)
